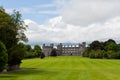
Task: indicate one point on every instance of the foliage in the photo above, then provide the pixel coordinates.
(96, 54)
(115, 55)
(108, 49)
(20, 26)
(112, 47)
(16, 54)
(95, 45)
(7, 32)
(11, 33)
(37, 50)
(53, 53)
(86, 52)
(3, 56)
(106, 55)
(42, 55)
(32, 53)
(28, 48)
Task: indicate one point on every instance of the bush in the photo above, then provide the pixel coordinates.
(42, 55)
(92, 55)
(3, 57)
(86, 52)
(16, 54)
(29, 54)
(105, 55)
(115, 55)
(32, 53)
(37, 50)
(96, 54)
(53, 52)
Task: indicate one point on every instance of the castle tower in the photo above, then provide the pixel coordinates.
(43, 45)
(83, 44)
(59, 48)
(52, 45)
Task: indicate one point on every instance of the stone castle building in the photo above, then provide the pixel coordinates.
(64, 50)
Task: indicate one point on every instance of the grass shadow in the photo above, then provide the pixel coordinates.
(27, 72)
(30, 71)
(7, 76)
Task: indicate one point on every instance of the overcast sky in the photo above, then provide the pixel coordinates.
(68, 20)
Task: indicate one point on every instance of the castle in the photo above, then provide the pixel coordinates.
(64, 50)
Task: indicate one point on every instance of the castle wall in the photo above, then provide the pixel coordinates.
(47, 49)
(72, 50)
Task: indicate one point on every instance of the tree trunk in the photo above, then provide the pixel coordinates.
(14, 67)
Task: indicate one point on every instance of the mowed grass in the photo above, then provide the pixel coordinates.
(66, 68)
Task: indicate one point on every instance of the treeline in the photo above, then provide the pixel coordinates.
(31, 52)
(108, 49)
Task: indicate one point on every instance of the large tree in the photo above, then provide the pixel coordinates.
(12, 32)
(37, 50)
(96, 45)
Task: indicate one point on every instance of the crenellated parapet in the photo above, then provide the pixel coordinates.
(74, 49)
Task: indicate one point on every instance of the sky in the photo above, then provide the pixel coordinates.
(74, 21)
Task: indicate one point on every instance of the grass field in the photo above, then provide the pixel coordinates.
(66, 68)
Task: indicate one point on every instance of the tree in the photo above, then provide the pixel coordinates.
(96, 54)
(37, 50)
(53, 52)
(86, 52)
(11, 33)
(7, 32)
(20, 26)
(95, 45)
(113, 47)
(109, 41)
(3, 57)
(28, 48)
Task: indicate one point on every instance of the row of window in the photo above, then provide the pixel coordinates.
(70, 51)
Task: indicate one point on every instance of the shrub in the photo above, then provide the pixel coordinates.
(42, 55)
(16, 55)
(3, 57)
(92, 55)
(53, 52)
(115, 55)
(105, 55)
(86, 52)
(37, 50)
(96, 54)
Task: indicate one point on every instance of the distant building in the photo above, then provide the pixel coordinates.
(65, 50)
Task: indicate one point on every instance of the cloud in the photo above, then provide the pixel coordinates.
(9, 10)
(86, 12)
(45, 6)
(24, 10)
(48, 12)
(56, 30)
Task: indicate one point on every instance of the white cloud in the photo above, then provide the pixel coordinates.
(9, 10)
(79, 20)
(25, 10)
(86, 12)
(45, 6)
(56, 30)
(47, 12)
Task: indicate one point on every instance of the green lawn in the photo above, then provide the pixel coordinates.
(66, 68)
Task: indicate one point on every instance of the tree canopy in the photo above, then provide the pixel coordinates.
(12, 30)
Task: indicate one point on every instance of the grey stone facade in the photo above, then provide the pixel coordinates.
(65, 50)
